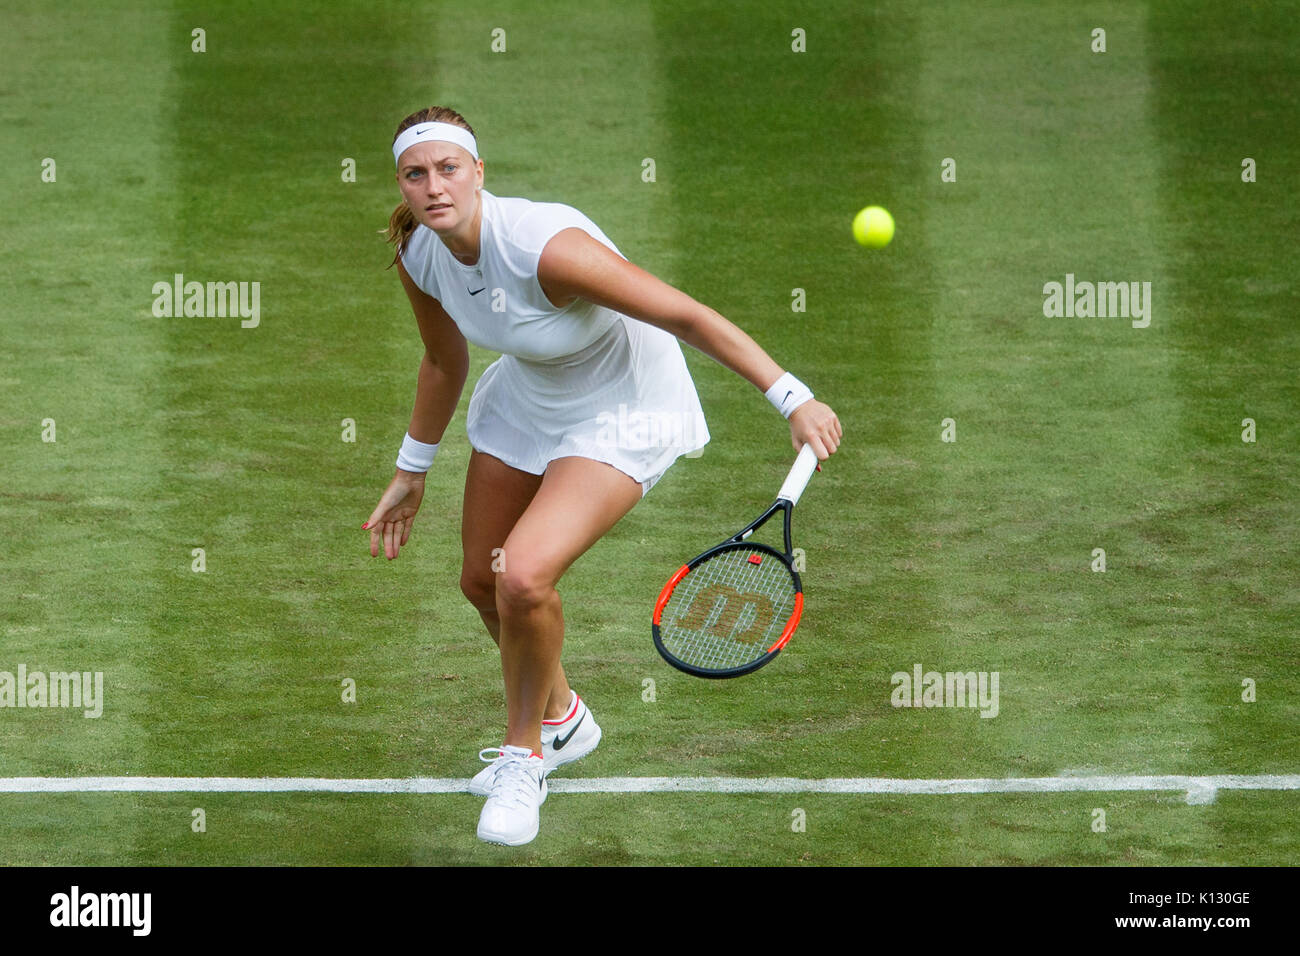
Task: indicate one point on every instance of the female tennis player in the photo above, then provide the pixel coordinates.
(588, 405)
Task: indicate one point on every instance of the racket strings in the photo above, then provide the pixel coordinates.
(728, 610)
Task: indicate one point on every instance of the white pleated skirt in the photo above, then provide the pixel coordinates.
(627, 400)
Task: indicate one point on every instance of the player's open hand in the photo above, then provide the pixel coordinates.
(813, 423)
(393, 515)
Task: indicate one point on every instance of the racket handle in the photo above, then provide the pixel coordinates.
(797, 480)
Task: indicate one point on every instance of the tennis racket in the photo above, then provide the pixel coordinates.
(730, 610)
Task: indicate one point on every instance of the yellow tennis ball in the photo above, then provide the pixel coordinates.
(873, 227)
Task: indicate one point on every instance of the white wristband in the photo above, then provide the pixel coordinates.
(788, 394)
(416, 455)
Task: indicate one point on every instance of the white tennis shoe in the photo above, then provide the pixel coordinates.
(570, 738)
(563, 741)
(510, 816)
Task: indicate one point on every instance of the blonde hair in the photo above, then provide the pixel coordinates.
(402, 222)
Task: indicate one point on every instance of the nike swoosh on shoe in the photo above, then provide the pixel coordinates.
(559, 742)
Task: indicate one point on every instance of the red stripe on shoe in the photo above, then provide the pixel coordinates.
(569, 716)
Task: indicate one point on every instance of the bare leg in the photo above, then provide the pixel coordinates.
(578, 501)
(495, 496)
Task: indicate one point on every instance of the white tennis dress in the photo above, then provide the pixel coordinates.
(583, 380)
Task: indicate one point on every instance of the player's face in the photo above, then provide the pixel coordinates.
(440, 182)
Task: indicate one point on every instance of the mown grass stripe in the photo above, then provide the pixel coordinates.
(1065, 426)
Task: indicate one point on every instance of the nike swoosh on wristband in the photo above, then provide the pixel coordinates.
(559, 741)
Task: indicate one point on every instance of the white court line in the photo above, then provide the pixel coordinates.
(1198, 789)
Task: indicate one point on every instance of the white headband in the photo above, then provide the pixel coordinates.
(443, 132)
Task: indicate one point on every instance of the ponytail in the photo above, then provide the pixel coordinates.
(401, 224)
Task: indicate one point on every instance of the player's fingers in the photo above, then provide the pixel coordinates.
(406, 530)
(372, 525)
(819, 437)
(388, 541)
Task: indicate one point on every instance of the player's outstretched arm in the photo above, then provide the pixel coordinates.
(575, 264)
(441, 379)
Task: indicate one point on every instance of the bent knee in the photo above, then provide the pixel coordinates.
(479, 589)
(523, 588)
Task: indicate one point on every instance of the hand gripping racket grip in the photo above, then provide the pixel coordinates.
(800, 474)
